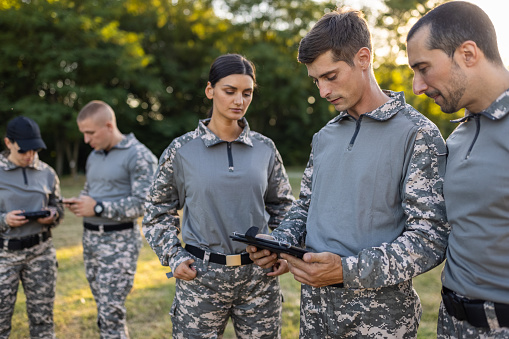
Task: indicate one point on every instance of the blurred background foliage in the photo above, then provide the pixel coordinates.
(149, 59)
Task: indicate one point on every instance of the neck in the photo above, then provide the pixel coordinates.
(372, 98)
(11, 159)
(115, 140)
(488, 86)
(227, 130)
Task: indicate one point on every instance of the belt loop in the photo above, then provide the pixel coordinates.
(6, 244)
(491, 316)
(40, 238)
(206, 258)
(101, 229)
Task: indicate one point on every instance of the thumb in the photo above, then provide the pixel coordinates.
(323, 257)
(312, 257)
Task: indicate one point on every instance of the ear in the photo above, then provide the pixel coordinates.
(7, 142)
(469, 53)
(363, 58)
(109, 125)
(209, 91)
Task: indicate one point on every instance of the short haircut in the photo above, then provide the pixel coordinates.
(94, 107)
(455, 22)
(343, 31)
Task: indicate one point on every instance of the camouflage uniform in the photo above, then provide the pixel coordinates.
(448, 327)
(222, 187)
(35, 266)
(477, 202)
(120, 179)
(372, 194)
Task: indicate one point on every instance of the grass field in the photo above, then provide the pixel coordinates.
(149, 302)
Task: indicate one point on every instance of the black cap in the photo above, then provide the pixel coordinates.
(26, 133)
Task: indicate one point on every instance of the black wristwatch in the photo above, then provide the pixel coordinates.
(98, 209)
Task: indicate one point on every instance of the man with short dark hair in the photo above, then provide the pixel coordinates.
(371, 210)
(119, 172)
(453, 52)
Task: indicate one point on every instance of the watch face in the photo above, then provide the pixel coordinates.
(98, 209)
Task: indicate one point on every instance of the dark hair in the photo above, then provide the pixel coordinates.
(455, 22)
(228, 64)
(343, 31)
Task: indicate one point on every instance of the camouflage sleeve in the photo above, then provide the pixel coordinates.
(142, 172)
(422, 244)
(279, 197)
(161, 224)
(3, 224)
(55, 197)
(293, 228)
(86, 189)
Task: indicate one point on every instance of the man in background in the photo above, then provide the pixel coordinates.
(454, 54)
(119, 172)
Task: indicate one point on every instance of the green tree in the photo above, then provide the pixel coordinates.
(393, 74)
(57, 56)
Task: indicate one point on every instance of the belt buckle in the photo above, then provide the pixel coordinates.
(233, 260)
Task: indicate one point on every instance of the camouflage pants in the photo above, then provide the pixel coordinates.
(449, 327)
(110, 264)
(201, 307)
(36, 267)
(388, 312)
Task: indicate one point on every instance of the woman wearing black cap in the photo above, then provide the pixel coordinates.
(26, 250)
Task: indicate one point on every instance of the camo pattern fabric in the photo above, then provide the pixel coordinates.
(201, 307)
(420, 246)
(161, 223)
(36, 267)
(423, 243)
(359, 313)
(110, 265)
(141, 173)
(449, 327)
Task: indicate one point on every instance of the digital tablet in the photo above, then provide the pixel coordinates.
(36, 214)
(271, 245)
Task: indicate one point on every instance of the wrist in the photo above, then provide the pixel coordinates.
(98, 208)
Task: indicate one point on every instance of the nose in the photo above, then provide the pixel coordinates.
(324, 90)
(237, 100)
(86, 138)
(419, 86)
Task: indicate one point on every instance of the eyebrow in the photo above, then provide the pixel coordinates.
(233, 87)
(324, 75)
(415, 65)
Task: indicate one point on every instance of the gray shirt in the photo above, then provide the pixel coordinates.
(30, 188)
(476, 191)
(221, 186)
(120, 178)
(372, 193)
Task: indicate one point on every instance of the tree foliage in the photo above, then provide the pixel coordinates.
(149, 59)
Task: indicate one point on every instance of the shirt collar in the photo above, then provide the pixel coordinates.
(127, 141)
(496, 111)
(381, 113)
(210, 139)
(8, 165)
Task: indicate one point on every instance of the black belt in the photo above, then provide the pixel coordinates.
(228, 260)
(17, 244)
(108, 228)
(473, 310)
